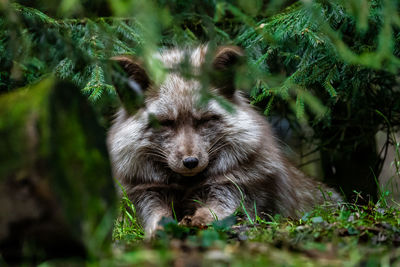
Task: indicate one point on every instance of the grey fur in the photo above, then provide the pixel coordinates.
(235, 150)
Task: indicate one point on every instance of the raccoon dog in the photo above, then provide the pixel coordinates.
(204, 159)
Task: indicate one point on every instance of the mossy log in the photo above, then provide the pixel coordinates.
(57, 197)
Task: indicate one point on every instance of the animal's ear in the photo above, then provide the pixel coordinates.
(132, 85)
(227, 57)
(225, 63)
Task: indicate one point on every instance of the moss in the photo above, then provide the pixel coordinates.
(19, 112)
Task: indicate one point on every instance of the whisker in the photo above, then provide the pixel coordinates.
(157, 149)
(161, 158)
(216, 142)
(218, 148)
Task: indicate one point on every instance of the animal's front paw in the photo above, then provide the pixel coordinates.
(199, 222)
(155, 224)
(193, 221)
(151, 231)
(186, 221)
(200, 219)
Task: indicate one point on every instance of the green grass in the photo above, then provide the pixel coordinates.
(349, 235)
(127, 228)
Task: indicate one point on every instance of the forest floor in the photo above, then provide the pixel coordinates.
(349, 235)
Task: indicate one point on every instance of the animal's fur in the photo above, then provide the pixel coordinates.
(235, 149)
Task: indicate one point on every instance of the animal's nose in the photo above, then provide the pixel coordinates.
(190, 162)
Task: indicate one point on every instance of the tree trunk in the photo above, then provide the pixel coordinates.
(56, 192)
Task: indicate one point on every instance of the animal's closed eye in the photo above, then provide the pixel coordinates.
(208, 119)
(166, 122)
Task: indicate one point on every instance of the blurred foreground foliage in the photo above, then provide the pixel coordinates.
(328, 66)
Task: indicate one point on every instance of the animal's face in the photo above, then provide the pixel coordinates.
(173, 128)
(184, 131)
